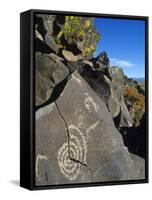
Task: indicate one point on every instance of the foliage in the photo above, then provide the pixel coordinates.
(135, 102)
(80, 31)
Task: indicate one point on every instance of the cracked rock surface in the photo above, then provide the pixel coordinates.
(77, 142)
(90, 117)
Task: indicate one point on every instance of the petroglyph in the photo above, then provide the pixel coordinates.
(92, 127)
(38, 159)
(72, 153)
(77, 79)
(89, 103)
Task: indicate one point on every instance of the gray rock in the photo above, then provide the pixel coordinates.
(60, 73)
(87, 62)
(97, 82)
(116, 103)
(78, 66)
(125, 120)
(114, 106)
(51, 28)
(117, 75)
(139, 166)
(43, 170)
(49, 73)
(70, 56)
(102, 62)
(43, 88)
(44, 111)
(38, 35)
(55, 57)
(48, 21)
(77, 141)
(118, 80)
(50, 41)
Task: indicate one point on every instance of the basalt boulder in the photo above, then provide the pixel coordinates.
(102, 61)
(50, 71)
(77, 142)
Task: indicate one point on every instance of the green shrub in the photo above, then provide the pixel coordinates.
(80, 31)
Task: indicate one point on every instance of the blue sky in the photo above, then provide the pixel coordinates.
(124, 42)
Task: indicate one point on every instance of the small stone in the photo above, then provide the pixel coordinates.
(70, 56)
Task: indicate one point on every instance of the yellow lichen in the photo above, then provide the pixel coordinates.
(135, 102)
(79, 30)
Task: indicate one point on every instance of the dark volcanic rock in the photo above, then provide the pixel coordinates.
(102, 61)
(80, 106)
(139, 166)
(70, 56)
(48, 26)
(77, 142)
(48, 21)
(116, 103)
(44, 87)
(117, 75)
(50, 71)
(50, 41)
(135, 139)
(97, 82)
(126, 120)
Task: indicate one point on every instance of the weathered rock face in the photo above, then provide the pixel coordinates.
(139, 166)
(86, 123)
(48, 26)
(102, 61)
(50, 71)
(73, 33)
(134, 138)
(53, 32)
(70, 56)
(97, 82)
(116, 103)
(108, 85)
(117, 75)
(77, 142)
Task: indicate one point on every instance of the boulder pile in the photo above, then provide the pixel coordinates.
(83, 110)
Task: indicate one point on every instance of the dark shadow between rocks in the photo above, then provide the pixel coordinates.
(135, 138)
(117, 120)
(55, 94)
(42, 47)
(40, 26)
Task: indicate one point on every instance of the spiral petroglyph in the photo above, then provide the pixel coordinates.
(72, 153)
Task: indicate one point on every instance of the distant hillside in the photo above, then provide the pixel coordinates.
(139, 79)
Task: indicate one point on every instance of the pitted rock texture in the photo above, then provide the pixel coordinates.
(87, 125)
(77, 142)
(50, 71)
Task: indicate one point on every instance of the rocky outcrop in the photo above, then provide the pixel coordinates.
(101, 62)
(134, 138)
(70, 56)
(78, 142)
(50, 71)
(87, 123)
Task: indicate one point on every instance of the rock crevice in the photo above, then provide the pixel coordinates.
(68, 141)
(90, 118)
